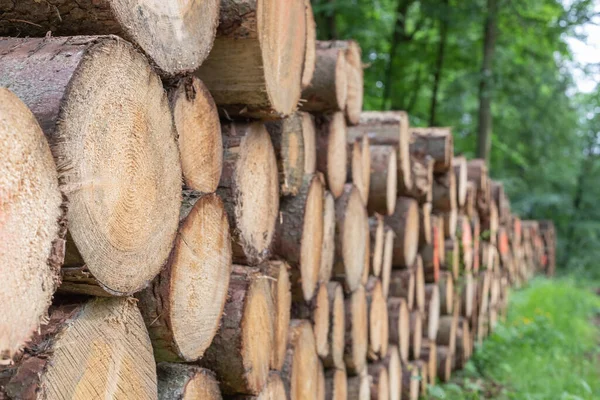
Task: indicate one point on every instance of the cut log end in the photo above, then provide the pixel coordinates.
(331, 152)
(328, 248)
(405, 224)
(356, 340)
(186, 382)
(310, 52)
(359, 387)
(377, 232)
(336, 385)
(336, 339)
(31, 227)
(380, 385)
(310, 146)
(394, 366)
(383, 186)
(300, 371)
(199, 130)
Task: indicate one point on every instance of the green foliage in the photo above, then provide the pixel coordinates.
(547, 349)
(545, 142)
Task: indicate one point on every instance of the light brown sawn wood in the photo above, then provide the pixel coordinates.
(383, 186)
(317, 311)
(399, 325)
(357, 334)
(331, 150)
(186, 382)
(405, 224)
(337, 326)
(328, 248)
(437, 143)
(310, 57)
(336, 385)
(328, 88)
(300, 370)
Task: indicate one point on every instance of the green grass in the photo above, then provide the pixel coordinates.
(547, 349)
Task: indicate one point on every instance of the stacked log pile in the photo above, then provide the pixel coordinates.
(209, 213)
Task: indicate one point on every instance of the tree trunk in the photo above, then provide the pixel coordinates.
(463, 343)
(389, 128)
(416, 334)
(337, 325)
(465, 243)
(461, 179)
(287, 136)
(357, 334)
(351, 232)
(469, 206)
(177, 38)
(33, 226)
(241, 350)
(450, 221)
(394, 367)
(328, 89)
(444, 192)
(383, 181)
(123, 191)
(186, 382)
(380, 384)
(331, 151)
(422, 179)
(452, 262)
(317, 311)
(386, 269)
(244, 69)
(402, 284)
(359, 387)
(399, 325)
(419, 285)
(436, 143)
(182, 312)
(336, 385)
(299, 373)
(447, 332)
(310, 56)
(484, 131)
(274, 389)
(411, 384)
(359, 166)
(328, 247)
(249, 188)
(429, 356)
(279, 280)
(432, 311)
(425, 227)
(405, 224)
(299, 236)
(422, 367)
(310, 143)
(468, 295)
(378, 320)
(72, 349)
(439, 62)
(444, 363)
(446, 290)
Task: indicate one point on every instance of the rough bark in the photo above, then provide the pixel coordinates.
(182, 312)
(317, 311)
(399, 325)
(357, 334)
(336, 385)
(328, 247)
(300, 370)
(419, 285)
(394, 367)
(177, 38)
(249, 187)
(452, 262)
(255, 69)
(299, 236)
(118, 239)
(450, 223)
(351, 233)
(444, 192)
(405, 224)
(337, 326)
(241, 350)
(421, 168)
(67, 358)
(389, 128)
(186, 382)
(380, 384)
(328, 89)
(410, 382)
(331, 133)
(33, 226)
(402, 284)
(359, 387)
(444, 363)
(463, 343)
(287, 136)
(383, 182)
(436, 143)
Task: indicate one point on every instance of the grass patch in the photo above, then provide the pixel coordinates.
(547, 349)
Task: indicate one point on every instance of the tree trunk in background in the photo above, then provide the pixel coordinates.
(484, 142)
(439, 64)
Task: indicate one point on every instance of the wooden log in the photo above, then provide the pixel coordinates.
(309, 142)
(318, 313)
(386, 269)
(328, 247)
(255, 66)
(444, 192)
(177, 38)
(287, 137)
(432, 311)
(351, 233)
(123, 191)
(240, 353)
(336, 385)
(399, 325)
(274, 389)
(450, 221)
(299, 236)
(359, 387)
(467, 295)
(389, 128)
(444, 363)
(394, 368)
(186, 382)
(469, 207)
(463, 343)
(430, 255)
(499, 198)
(310, 56)
(183, 313)
(356, 332)
(476, 231)
(249, 188)
(447, 332)
(425, 225)
(429, 356)
(331, 135)
(423, 376)
(337, 326)
(359, 166)
(279, 280)
(416, 334)
(465, 243)
(446, 291)
(300, 370)
(461, 178)
(402, 284)
(490, 224)
(436, 143)
(422, 179)
(419, 285)
(410, 382)
(367, 258)
(383, 181)
(378, 320)
(405, 224)
(440, 233)
(33, 225)
(452, 263)
(380, 383)
(72, 348)
(477, 172)
(198, 129)
(377, 233)
(328, 88)
(365, 152)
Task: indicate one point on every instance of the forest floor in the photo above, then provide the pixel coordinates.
(548, 348)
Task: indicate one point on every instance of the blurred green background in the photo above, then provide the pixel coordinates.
(426, 57)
